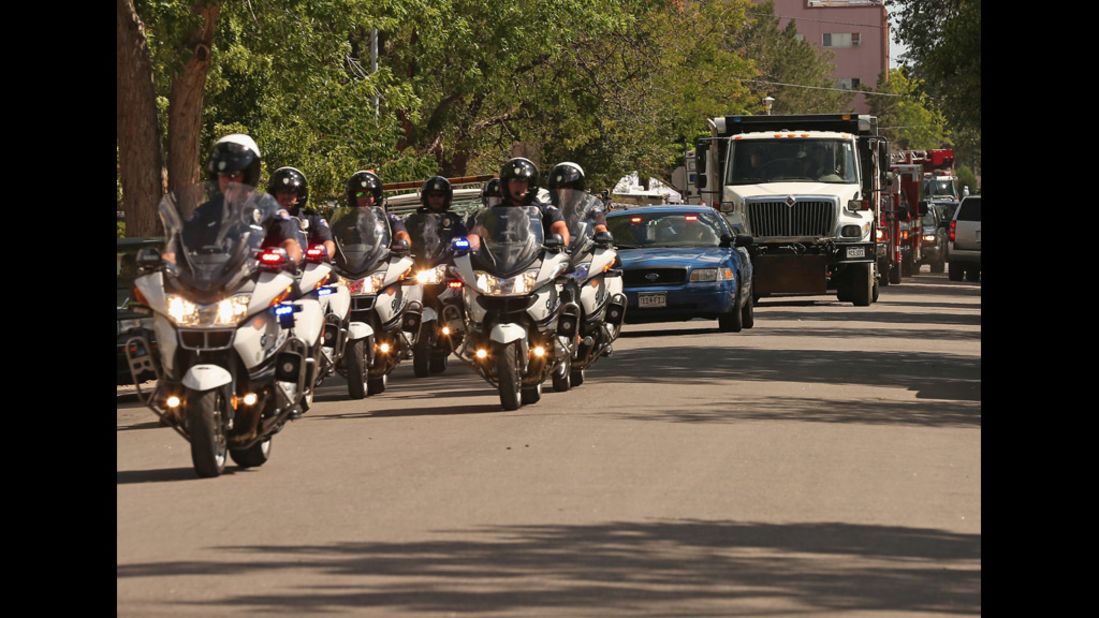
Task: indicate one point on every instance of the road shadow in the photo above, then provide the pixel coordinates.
(930, 375)
(930, 305)
(129, 477)
(888, 317)
(667, 568)
(762, 330)
(148, 425)
(398, 412)
(919, 413)
(627, 334)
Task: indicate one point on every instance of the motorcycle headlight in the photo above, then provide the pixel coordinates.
(432, 275)
(711, 274)
(226, 312)
(368, 285)
(497, 286)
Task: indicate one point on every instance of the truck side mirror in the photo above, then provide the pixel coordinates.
(702, 150)
(923, 208)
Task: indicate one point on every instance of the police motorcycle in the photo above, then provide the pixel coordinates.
(384, 296)
(343, 342)
(237, 340)
(517, 328)
(594, 283)
(442, 325)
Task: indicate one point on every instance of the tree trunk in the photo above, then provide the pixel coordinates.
(139, 156)
(185, 108)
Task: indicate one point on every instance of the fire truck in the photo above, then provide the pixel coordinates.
(923, 179)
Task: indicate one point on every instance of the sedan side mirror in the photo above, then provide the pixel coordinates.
(726, 241)
(604, 240)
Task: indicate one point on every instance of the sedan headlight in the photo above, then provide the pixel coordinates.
(498, 286)
(432, 275)
(226, 312)
(711, 274)
(929, 237)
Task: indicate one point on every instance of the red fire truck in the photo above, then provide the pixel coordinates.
(913, 169)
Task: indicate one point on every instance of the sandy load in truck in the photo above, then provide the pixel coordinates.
(808, 190)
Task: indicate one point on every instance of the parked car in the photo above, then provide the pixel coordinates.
(682, 262)
(131, 322)
(965, 240)
(933, 249)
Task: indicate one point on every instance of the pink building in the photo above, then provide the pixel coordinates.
(855, 31)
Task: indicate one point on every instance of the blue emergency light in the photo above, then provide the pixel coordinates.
(460, 244)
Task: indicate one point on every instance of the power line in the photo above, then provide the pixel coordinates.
(822, 21)
(866, 92)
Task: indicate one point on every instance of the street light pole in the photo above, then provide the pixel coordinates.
(768, 101)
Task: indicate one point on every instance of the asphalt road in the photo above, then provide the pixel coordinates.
(826, 462)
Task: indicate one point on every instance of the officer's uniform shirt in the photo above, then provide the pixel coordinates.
(451, 225)
(316, 227)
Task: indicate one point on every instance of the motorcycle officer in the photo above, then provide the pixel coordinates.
(291, 190)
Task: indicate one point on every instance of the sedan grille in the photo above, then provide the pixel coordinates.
(642, 277)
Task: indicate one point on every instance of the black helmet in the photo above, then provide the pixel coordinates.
(235, 153)
(362, 181)
(491, 191)
(439, 184)
(289, 179)
(523, 169)
(566, 175)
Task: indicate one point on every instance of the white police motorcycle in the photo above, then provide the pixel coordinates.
(441, 327)
(517, 328)
(595, 284)
(384, 296)
(237, 341)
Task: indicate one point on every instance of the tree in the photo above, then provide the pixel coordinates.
(139, 159)
(944, 53)
(910, 120)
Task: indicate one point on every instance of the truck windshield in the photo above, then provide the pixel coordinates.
(791, 160)
(935, 188)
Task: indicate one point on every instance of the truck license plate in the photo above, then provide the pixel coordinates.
(652, 301)
(856, 252)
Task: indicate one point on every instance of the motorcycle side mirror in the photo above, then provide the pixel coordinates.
(726, 241)
(399, 248)
(604, 240)
(743, 240)
(148, 259)
(555, 243)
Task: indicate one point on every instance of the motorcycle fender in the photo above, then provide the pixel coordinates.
(206, 377)
(152, 287)
(465, 271)
(257, 339)
(506, 333)
(359, 330)
(429, 315)
(268, 286)
(614, 285)
(313, 274)
(601, 260)
(545, 305)
(166, 341)
(339, 302)
(591, 298)
(308, 322)
(397, 269)
(473, 308)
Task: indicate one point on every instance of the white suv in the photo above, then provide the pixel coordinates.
(965, 240)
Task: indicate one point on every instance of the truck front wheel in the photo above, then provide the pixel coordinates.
(862, 284)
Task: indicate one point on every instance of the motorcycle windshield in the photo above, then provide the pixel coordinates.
(429, 243)
(577, 208)
(215, 235)
(362, 239)
(511, 241)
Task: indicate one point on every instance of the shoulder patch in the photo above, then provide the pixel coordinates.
(282, 214)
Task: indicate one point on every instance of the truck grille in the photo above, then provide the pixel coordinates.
(809, 218)
(642, 277)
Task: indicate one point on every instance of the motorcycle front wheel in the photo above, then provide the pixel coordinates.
(205, 414)
(509, 374)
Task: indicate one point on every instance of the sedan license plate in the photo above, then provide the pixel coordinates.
(652, 301)
(856, 252)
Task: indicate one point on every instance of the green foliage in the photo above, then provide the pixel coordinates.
(966, 178)
(615, 85)
(944, 53)
(911, 120)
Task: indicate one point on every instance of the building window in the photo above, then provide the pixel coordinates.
(842, 39)
(853, 83)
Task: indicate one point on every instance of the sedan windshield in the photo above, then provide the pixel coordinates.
(671, 229)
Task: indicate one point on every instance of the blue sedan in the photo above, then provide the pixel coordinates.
(683, 262)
